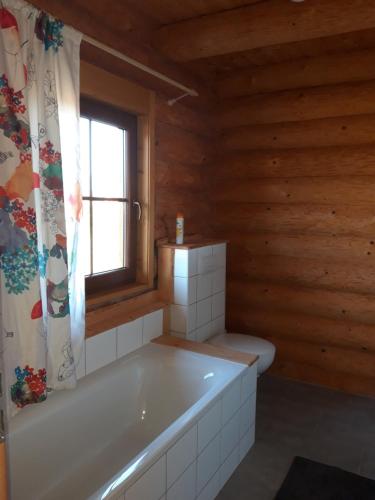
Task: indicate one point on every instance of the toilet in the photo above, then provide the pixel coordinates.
(247, 343)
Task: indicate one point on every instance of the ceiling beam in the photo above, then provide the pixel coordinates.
(261, 25)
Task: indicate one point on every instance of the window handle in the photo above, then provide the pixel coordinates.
(139, 208)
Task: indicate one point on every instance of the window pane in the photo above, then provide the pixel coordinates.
(85, 155)
(85, 237)
(107, 164)
(108, 235)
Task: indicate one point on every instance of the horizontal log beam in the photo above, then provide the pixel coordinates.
(299, 105)
(310, 190)
(344, 276)
(261, 25)
(357, 308)
(349, 220)
(176, 144)
(302, 327)
(308, 162)
(174, 175)
(346, 361)
(183, 117)
(341, 131)
(301, 73)
(310, 246)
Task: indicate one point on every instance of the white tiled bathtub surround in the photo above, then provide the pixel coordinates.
(198, 465)
(108, 346)
(198, 309)
(158, 422)
(101, 350)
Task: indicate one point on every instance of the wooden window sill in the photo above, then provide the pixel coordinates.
(116, 308)
(208, 349)
(110, 297)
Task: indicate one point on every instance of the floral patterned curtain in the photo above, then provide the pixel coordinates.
(42, 284)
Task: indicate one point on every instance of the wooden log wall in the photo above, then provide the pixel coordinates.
(294, 193)
(184, 146)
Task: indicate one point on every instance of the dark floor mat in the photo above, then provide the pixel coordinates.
(308, 480)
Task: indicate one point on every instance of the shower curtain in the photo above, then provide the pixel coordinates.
(42, 281)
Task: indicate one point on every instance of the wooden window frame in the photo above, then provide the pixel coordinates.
(100, 85)
(105, 113)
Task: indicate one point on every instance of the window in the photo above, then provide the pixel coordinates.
(109, 189)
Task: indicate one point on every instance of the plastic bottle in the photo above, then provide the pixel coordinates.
(179, 228)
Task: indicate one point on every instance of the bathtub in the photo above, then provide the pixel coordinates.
(133, 429)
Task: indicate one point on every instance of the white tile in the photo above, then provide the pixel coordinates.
(181, 455)
(218, 305)
(204, 308)
(205, 260)
(208, 463)
(150, 486)
(247, 442)
(185, 262)
(152, 326)
(218, 280)
(229, 466)
(204, 332)
(183, 319)
(100, 350)
(204, 286)
(249, 382)
(220, 251)
(185, 290)
(231, 400)
(129, 337)
(218, 325)
(209, 425)
(81, 364)
(185, 487)
(247, 414)
(212, 488)
(230, 436)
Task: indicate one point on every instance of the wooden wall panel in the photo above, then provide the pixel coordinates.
(298, 105)
(184, 146)
(310, 190)
(293, 189)
(340, 131)
(305, 162)
(261, 25)
(315, 246)
(351, 66)
(300, 219)
(322, 274)
(355, 307)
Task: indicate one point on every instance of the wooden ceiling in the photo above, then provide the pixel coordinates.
(173, 11)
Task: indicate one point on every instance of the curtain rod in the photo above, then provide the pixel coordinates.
(137, 64)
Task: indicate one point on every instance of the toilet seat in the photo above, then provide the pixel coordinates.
(247, 343)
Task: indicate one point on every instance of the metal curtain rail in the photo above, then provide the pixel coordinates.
(139, 65)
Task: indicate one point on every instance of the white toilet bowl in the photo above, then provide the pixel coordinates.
(247, 343)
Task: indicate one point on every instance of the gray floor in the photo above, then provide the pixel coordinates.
(299, 419)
